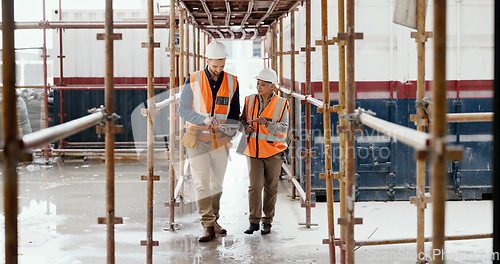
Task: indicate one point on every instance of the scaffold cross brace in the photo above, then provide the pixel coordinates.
(145, 177)
(144, 112)
(104, 220)
(344, 221)
(304, 49)
(343, 36)
(153, 243)
(146, 44)
(114, 36)
(175, 204)
(421, 36)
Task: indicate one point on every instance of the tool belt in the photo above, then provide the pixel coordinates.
(194, 135)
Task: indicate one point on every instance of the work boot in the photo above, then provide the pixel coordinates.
(209, 234)
(253, 227)
(219, 229)
(266, 229)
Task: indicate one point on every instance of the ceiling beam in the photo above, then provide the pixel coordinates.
(207, 10)
(269, 11)
(228, 10)
(247, 15)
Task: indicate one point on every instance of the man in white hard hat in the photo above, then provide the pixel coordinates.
(210, 105)
(265, 120)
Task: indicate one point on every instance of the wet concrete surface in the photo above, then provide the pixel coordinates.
(59, 205)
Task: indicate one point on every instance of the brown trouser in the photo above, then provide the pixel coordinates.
(264, 174)
(208, 168)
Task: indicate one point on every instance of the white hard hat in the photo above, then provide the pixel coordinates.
(216, 50)
(268, 75)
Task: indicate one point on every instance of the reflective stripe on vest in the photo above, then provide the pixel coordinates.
(203, 102)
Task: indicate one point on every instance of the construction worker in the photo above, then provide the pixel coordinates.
(209, 102)
(265, 120)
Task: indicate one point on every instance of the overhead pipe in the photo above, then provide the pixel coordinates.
(439, 128)
(87, 25)
(10, 132)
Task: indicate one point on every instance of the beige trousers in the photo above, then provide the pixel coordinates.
(264, 174)
(208, 168)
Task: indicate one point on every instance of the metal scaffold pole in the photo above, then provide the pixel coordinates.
(293, 142)
(281, 53)
(198, 54)
(61, 57)
(10, 133)
(308, 203)
(349, 221)
(45, 84)
(342, 123)
(182, 54)
(328, 175)
(496, 141)
(439, 128)
(421, 123)
(151, 112)
(171, 139)
(110, 129)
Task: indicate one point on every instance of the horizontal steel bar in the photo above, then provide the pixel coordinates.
(178, 186)
(117, 87)
(469, 117)
(55, 133)
(167, 101)
(416, 139)
(87, 25)
(308, 98)
(295, 182)
(414, 240)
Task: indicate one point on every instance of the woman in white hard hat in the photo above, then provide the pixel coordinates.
(265, 119)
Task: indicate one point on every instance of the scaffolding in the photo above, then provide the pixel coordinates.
(431, 147)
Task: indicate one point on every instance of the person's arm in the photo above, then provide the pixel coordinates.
(281, 126)
(186, 110)
(234, 110)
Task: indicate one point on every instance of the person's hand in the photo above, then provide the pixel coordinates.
(249, 129)
(228, 130)
(260, 120)
(211, 121)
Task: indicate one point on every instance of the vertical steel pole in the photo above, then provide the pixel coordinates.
(150, 133)
(308, 114)
(61, 74)
(188, 70)
(496, 141)
(439, 130)
(198, 49)
(274, 61)
(10, 133)
(281, 53)
(181, 84)
(326, 121)
(45, 84)
(171, 140)
(421, 127)
(195, 55)
(342, 123)
(293, 142)
(110, 133)
(350, 158)
(204, 49)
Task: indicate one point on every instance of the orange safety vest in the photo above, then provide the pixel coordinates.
(202, 95)
(261, 144)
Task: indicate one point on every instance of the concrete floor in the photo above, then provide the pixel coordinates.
(59, 205)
